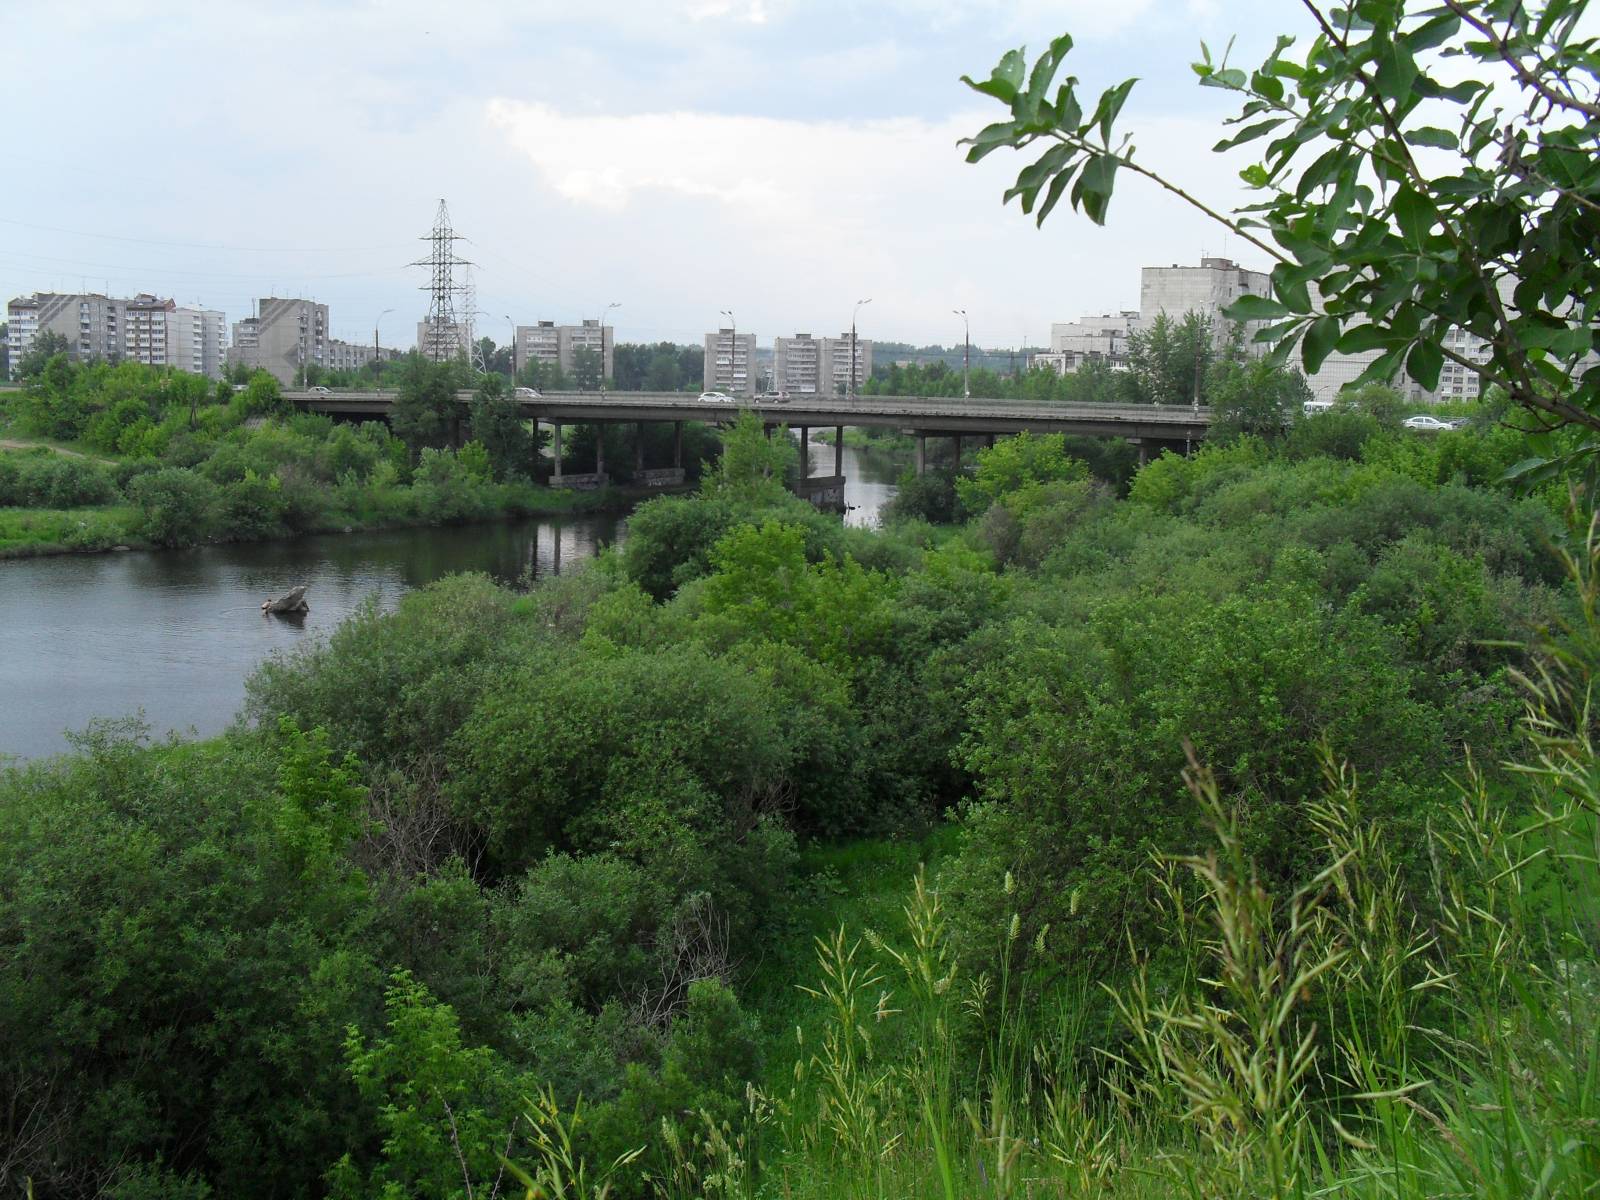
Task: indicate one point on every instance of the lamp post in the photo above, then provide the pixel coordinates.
(733, 347)
(966, 354)
(377, 355)
(608, 308)
(853, 313)
(512, 327)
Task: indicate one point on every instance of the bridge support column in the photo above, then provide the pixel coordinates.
(677, 444)
(1144, 452)
(838, 450)
(805, 453)
(922, 453)
(638, 448)
(958, 453)
(455, 433)
(599, 449)
(557, 448)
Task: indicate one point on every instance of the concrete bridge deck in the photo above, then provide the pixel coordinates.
(930, 415)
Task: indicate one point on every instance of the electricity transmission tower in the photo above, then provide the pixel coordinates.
(441, 332)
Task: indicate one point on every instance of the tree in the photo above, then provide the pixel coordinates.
(1490, 231)
(1169, 360)
(40, 351)
(5, 351)
(1015, 465)
(425, 409)
(498, 426)
(587, 369)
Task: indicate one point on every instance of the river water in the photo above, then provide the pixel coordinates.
(171, 635)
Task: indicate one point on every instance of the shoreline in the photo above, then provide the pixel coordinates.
(615, 501)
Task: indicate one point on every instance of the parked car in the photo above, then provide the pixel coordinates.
(716, 398)
(1432, 424)
(318, 390)
(1313, 407)
(525, 393)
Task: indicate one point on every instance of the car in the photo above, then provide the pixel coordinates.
(527, 393)
(1313, 407)
(716, 398)
(1431, 424)
(318, 390)
(1459, 423)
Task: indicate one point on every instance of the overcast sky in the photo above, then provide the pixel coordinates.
(779, 158)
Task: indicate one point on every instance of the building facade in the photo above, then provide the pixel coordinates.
(731, 362)
(558, 345)
(284, 336)
(797, 366)
(1206, 289)
(1090, 339)
(837, 361)
(144, 329)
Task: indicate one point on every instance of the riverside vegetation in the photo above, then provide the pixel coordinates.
(188, 461)
(1232, 831)
(768, 857)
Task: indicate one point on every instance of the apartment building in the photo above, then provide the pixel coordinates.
(731, 362)
(197, 340)
(797, 366)
(284, 336)
(1206, 289)
(352, 356)
(443, 340)
(558, 345)
(1090, 339)
(144, 329)
(837, 361)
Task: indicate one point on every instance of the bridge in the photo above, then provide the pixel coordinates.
(1152, 428)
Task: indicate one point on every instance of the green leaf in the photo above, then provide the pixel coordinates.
(1424, 363)
(1360, 338)
(1397, 71)
(1415, 214)
(1249, 134)
(1321, 336)
(1431, 136)
(1251, 307)
(1093, 189)
(1044, 73)
(1003, 82)
(1111, 102)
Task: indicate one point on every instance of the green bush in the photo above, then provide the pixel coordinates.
(177, 507)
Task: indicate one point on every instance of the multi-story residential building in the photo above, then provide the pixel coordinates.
(797, 366)
(1091, 339)
(1206, 289)
(352, 356)
(143, 329)
(197, 340)
(441, 341)
(837, 360)
(284, 336)
(731, 362)
(558, 345)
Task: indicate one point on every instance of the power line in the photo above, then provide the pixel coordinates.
(111, 237)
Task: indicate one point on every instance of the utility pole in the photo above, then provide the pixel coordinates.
(512, 326)
(853, 313)
(966, 354)
(608, 308)
(377, 354)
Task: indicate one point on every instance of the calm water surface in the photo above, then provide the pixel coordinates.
(171, 635)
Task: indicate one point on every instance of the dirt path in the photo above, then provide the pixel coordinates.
(13, 444)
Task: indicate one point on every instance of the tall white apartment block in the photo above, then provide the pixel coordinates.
(797, 366)
(730, 362)
(836, 362)
(197, 340)
(284, 336)
(558, 345)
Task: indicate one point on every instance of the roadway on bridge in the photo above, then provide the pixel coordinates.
(924, 414)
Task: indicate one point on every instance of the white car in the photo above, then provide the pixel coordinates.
(1432, 424)
(319, 390)
(528, 394)
(716, 398)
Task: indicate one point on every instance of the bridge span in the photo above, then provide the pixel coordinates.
(1151, 427)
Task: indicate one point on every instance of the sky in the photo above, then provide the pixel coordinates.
(776, 158)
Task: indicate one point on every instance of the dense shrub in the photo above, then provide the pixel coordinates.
(177, 507)
(44, 479)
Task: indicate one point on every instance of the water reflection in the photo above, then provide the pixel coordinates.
(175, 633)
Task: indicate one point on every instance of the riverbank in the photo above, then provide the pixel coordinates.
(38, 533)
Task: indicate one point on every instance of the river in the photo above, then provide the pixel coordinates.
(173, 634)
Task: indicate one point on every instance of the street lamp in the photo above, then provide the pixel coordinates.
(608, 308)
(377, 355)
(512, 327)
(966, 354)
(853, 313)
(733, 347)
